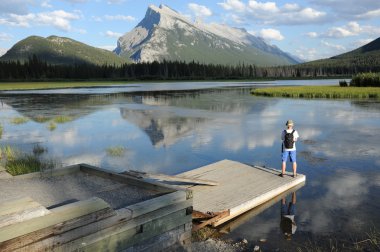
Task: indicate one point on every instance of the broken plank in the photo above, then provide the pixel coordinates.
(175, 178)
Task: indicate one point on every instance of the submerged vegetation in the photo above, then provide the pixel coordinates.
(329, 92)
(19, 120)
(117, 151)
(17, 162)
(52, 126)
(63, 119)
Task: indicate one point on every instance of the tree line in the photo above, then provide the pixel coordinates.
(35, 69)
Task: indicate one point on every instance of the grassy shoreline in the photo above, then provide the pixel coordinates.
(326, 92)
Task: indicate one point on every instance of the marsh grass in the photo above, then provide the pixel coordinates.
(117, 151)
(63, 119)
(52, 126)
(1, 131)
(325, 92)
(42, 119)
(19, 120)
(17, 163)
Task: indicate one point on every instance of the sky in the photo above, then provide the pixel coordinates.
(309, 29)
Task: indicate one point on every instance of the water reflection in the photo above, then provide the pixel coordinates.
(288, 224)
(175, 131)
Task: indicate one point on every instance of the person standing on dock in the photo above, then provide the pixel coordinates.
(289, 136)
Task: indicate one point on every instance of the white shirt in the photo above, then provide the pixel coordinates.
(295, 137)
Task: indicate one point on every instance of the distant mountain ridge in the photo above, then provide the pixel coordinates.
(60, 50)
(164, 34)
(366, 57)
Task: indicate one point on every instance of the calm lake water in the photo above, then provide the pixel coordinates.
(172, 128)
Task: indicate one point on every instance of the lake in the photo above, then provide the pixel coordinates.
(174, 127)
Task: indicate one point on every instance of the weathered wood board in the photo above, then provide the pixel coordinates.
(241, 187)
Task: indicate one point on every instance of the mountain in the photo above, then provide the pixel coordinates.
(165, 34)
(367, 56)
(60, 50)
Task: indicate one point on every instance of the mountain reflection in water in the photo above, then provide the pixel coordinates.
(175, 131)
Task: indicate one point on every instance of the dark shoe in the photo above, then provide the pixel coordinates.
(281, 175)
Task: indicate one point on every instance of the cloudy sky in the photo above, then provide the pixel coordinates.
(310, 29)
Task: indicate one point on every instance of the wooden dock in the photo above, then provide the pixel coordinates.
(240, 188)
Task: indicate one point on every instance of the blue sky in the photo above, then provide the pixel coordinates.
(310, 29)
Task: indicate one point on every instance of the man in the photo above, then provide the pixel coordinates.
(289, 137)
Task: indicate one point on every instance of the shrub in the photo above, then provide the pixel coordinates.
(366, 80)
(343, 83)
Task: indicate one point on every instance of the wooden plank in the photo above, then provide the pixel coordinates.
(123, 230)
(241, 187)
(178, 237)
(125, 179)
(153, 228)
(19, 210)
(103, 228)
(212, 220)
(59, 220)
(156, 203)
(175, 178)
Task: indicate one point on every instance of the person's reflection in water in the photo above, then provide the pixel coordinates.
(288, 224)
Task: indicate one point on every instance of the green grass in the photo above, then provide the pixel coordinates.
(17, 163)
(117, 151)
(54, 84)
(42, 119)
(328, 92)
(63, 119)
(19, 120)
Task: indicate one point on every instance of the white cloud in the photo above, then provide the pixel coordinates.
(361, 42)
(5, 36)
(235, 5)
(112, 34)
(60, 19)
(347, 9)
(107, 47)
(337, 48)
(271, 13)
(349, 30)
(369, 14)
(271, 34)
(119, 18)
(312, 34)
(115, 1)
(291, 7)
(199, 10)
(46, 4)
(3, 51)
(265, 7)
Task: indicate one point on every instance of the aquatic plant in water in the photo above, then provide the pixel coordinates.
(52, 126)
(63, 119)
(1, 131)
(117, 151)
(19, 120)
